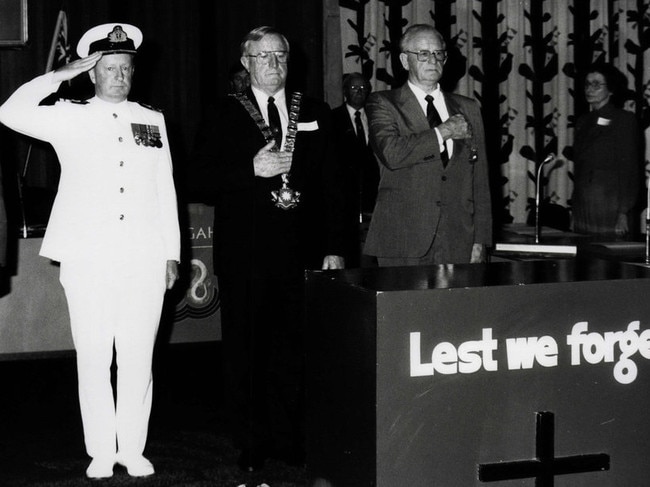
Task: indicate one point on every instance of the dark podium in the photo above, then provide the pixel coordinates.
(504, 374)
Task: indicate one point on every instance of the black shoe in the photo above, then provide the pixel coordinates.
(251, 460)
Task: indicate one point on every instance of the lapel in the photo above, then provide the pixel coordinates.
(253, 100)
(411, 110)
(349, 125)
(452, 105)
(251, 97)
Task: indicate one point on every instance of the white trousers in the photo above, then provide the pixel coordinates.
(114, 305)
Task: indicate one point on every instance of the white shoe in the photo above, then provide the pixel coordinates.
(100, 468)
(137, 466)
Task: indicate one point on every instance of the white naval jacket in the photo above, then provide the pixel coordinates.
(115, 198)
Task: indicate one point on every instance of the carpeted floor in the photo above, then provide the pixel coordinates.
(41, 441)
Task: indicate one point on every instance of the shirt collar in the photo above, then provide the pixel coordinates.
(420, 93)
(97, 100)
(262, 98)
(352, 111)
(121, 108)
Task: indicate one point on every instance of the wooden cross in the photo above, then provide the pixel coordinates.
(545, 466)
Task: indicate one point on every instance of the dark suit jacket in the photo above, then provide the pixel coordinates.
(415, 189)
(607, 168)
(360, 167)
(359, 181)
(250, 233)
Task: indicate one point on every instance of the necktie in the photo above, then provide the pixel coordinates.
(361, 134)
(274, 122)
(434, 120)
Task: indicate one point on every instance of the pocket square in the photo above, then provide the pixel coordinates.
(307, 126)
(603, 121)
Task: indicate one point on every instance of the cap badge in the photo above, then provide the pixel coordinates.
(117, 35)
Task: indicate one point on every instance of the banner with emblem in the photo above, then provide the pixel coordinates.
(197, 316)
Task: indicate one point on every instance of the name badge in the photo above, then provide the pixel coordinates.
(147, 135)
(603, 121)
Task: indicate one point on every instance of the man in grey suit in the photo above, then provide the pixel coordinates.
(433, 202)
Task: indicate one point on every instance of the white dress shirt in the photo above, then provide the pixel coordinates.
(364, 119)
(280, 100)
(440, 105)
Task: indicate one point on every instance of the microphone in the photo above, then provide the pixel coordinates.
(549, 158)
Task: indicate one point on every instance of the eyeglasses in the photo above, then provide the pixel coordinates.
(264, 57)
(358, 87)
(425, 56)
(594, 84)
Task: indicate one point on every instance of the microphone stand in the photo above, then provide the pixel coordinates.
(21, 199)
(548, 159)
(647, 227)
(647, 240)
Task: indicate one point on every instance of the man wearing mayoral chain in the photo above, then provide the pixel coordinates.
(265, 161)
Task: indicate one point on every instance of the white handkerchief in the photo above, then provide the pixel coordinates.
(603, 121)
(307, 126)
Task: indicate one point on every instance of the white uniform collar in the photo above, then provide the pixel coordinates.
(99, 101)
(120, 108)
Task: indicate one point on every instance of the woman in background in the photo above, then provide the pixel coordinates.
(606, 157)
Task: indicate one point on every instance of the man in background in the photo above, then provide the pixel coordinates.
(360, 169)
(238, 79)
(433, 202)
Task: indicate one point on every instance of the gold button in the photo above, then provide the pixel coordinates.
(121, 217)
(120, 139)
(121, 190)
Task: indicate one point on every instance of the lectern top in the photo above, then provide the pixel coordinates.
(483, 275)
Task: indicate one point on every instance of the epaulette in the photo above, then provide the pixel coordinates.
(150, 107)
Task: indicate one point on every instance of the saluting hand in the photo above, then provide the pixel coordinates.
(75, 68)
(268, 163)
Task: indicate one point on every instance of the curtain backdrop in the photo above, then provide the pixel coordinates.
(521, 60)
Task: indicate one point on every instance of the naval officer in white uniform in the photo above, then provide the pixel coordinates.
(114, 229)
